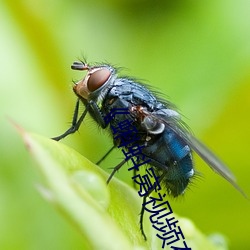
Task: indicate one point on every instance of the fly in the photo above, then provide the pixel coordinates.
(166, 141)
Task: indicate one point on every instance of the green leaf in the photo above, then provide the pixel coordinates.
(106, 215)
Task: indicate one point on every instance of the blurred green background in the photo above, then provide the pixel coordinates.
(195, 52)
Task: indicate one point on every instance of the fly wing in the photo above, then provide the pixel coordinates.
(175, 124)
(212, 160)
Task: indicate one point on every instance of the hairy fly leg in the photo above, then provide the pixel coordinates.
(115, 170)
(75, 124)
(90, 107)
(96, 112)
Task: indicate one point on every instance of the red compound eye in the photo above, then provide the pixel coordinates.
(97, 79)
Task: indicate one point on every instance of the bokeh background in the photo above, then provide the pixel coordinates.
(195, 52)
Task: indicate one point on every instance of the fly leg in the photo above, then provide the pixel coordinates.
(115, 170)
(143, 208)
(75, 124)
(134, 173)
(105, 155)
(141, 216)
(97, 114)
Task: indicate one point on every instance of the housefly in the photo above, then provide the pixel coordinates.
(165, 138)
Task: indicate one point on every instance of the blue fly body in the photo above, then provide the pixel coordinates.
(165, 141)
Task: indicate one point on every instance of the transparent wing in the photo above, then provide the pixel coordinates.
(175, 124)
(210, 158)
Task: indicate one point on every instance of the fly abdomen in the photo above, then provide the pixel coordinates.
(177, 147)
(178, 175)
(175, 160)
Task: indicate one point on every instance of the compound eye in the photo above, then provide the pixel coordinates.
(97, 79)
